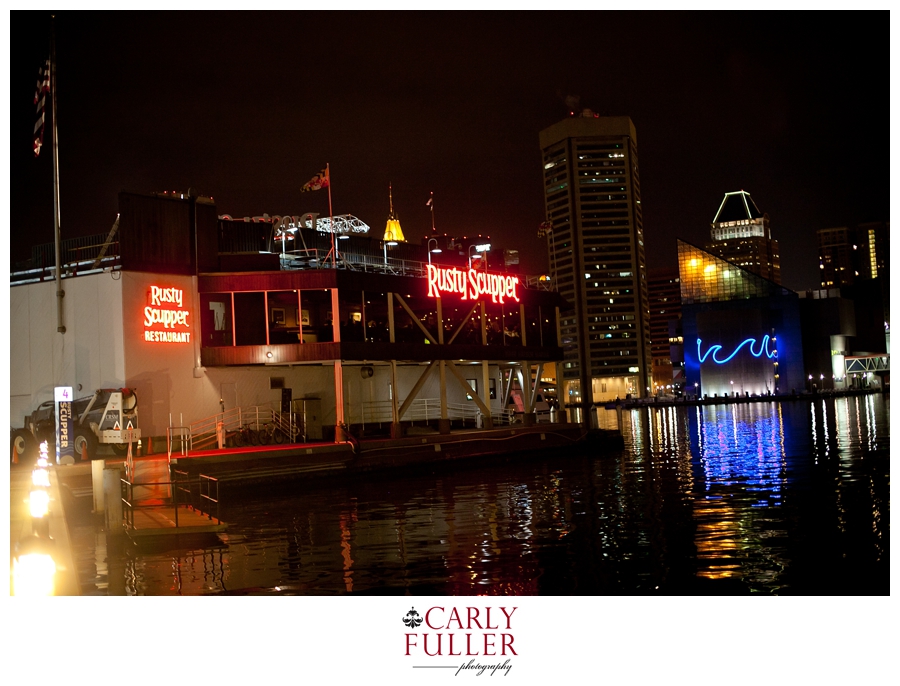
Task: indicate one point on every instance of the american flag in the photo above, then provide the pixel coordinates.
(40, 98)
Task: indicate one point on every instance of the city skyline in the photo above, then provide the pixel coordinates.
(247, 107)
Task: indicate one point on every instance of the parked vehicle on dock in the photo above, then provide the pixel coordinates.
(108, 417)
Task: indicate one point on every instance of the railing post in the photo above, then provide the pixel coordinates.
(173, 476)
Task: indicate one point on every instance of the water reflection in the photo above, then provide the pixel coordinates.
(768, 497)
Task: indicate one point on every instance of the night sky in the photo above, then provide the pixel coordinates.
(246, 107)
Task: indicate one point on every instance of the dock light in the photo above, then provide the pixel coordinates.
(40, 478)
(39, 503)
(33, 567)
(43, 454)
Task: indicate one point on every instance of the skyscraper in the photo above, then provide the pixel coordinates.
(664, 289)
(847, 255)
(592, 197)
(741, 235)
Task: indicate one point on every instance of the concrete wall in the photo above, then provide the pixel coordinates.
(89, 355)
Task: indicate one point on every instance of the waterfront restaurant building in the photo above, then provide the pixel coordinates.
(201, 314)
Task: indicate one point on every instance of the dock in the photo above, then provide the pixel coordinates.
(162, 520)
(425, 450)
(153, 515)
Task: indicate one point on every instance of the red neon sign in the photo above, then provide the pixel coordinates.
(165, 316)
(471, 284)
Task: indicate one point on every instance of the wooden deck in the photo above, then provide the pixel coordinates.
(160, 520)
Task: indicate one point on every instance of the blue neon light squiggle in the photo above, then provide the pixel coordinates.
(714, 349)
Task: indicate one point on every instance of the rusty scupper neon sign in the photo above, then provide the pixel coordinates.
(471, 284)
(165, 317)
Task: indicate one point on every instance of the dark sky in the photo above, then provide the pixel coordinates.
(792, 107)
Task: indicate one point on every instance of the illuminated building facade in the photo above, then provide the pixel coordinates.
(741, 235)
(201, 314)
(742, 333)
(592, 196)
(664, 290)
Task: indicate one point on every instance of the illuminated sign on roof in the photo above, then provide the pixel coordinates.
(471, 284)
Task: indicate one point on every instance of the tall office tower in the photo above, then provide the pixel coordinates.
(664, 292)
(592, 195)
(837, 263)
(741, 235)
(848, 255)
(873, 240)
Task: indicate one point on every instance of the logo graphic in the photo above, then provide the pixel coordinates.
(412, 619)
(714, 349)
(468, 640)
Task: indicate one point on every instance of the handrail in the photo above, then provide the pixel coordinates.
(204, 432)
(183, 434)
(379, 411)
(294, 259)
(207, 492)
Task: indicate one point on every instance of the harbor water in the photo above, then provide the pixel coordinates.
(775, 498)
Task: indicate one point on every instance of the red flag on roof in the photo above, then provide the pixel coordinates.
(316, 183)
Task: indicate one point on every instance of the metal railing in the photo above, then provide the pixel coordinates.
(97, 252)
(179, 436)
(200, 494)
(204, 433)
(355, 261)
(428, 409)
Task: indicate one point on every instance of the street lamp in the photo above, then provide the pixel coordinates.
(732, 389)
(436, 249)
(385, 244)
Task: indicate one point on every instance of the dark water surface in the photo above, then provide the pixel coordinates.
(777, 498)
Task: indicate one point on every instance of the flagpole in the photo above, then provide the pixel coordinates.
(331, 216)
(432, 212)
(56, 214)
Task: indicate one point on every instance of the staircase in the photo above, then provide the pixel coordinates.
(203, 434)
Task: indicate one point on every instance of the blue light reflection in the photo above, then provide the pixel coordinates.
(742, 445)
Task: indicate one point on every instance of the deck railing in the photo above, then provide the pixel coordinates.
(200, 493)
(429, 409)
(204, 434)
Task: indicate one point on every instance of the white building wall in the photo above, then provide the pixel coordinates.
(87, 356)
